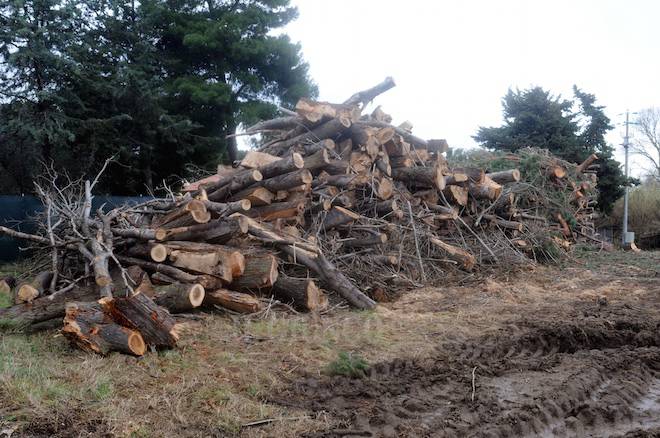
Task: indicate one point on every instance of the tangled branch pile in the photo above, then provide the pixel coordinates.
(334, 200)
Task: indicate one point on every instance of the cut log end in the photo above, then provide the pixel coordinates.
(196, 295)
(158, 253)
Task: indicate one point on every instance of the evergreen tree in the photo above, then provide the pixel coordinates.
(570, 129)
(157, 84)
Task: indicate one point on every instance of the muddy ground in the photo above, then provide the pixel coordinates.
(579, 356)
(545, 351)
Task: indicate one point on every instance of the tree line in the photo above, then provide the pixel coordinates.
(157, 84)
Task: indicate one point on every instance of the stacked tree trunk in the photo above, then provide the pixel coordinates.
(335, 201)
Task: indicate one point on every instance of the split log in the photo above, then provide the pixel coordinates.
(456, 195)
(26, 292)
(236, 301)
(140, 280)
(303, 293)
(260, 271)
(140, 313)
(179, 298)
(505, 176)
(586, 163)
(338, 216)
(488, 189)
(465, 260)
(91, 330)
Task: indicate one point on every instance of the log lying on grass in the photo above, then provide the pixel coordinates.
(236, 301)
(90, 329)
(28, 291)
(303, 293)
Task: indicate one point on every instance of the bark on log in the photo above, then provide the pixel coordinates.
(456, 195)
(505, 176)
(465, 260)
(260, 271)
(217, 231)
(179, 298)
(21, 316)
(326, 144)
(237, 183)
(366, 96)
(140, 313)
(338, 216)
(91, 330)
(303, 293)
(372, 240)
(223, 209)
(281, 166)
(332, 129)
(236, 301)
(586, 163)
(278, 210)
(257, 196)
(288, 180)
(254, 160)
(488, 189)
(208, 281)
(420, 176)
(28, 291)
(510, 225)
(329, 274)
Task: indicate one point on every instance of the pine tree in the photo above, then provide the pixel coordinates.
(570, 129)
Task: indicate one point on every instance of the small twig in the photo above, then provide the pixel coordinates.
(474, 386)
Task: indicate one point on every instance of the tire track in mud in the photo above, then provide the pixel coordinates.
(594, 373)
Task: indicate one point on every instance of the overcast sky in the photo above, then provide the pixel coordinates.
(454, 60)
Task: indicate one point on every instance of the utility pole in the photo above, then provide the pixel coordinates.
(626, 145)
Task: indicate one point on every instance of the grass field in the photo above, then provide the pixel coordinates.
(229, 371)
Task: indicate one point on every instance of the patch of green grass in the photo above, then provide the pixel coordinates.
(103, 390)
(5, 300)
(347, 364)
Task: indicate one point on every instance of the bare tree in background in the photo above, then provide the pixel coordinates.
(648, 124)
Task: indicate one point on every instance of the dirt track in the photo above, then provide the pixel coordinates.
(581, 364)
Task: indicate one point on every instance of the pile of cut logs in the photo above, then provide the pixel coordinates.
(334, 201)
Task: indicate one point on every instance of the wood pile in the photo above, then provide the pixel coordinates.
(335, 202)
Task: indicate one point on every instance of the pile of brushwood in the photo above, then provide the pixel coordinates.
(334, 204)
